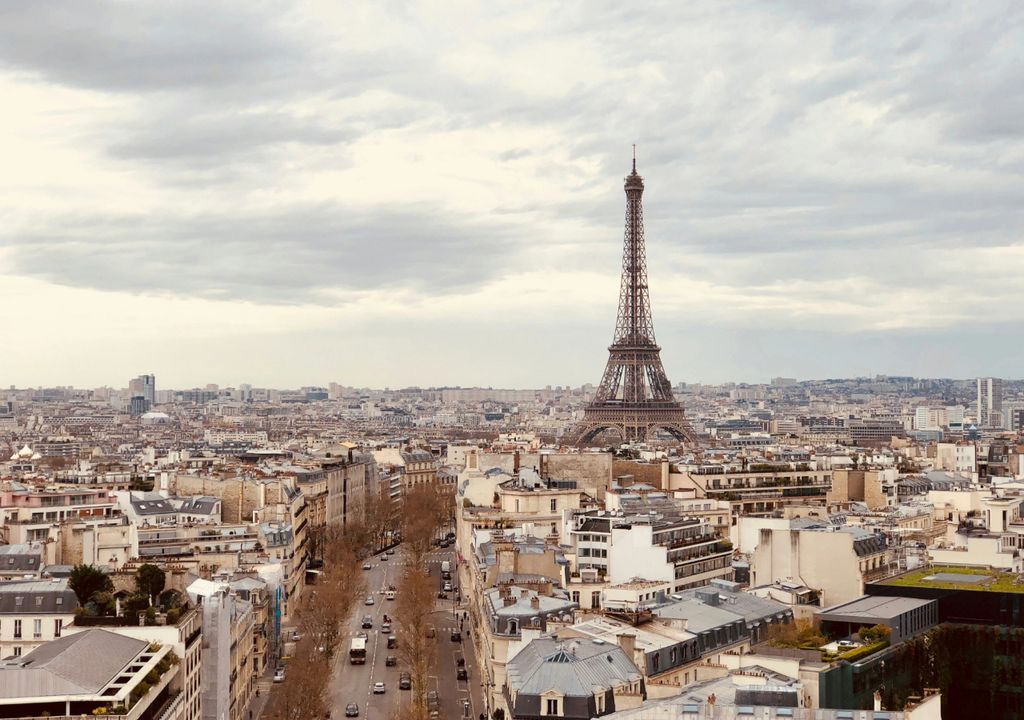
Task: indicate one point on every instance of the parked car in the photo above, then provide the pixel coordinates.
(405, 681)
(433, 701)
(390, 551)
(390, 661)
(442, 595)
(450, 535)
(446, 575)
(456, 636)
(444, 543)
(384, 557)
(447, 587)
(367, 566)
(279, 675)
(389, 595)
(367, 622)
(351, 710)
(462, 674)
(378, 688)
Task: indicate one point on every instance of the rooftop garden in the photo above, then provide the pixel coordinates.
(993, 580)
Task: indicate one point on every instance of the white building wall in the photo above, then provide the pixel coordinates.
(633, 554)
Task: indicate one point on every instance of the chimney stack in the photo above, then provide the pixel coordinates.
(627, 641)
(515, 463)
(535, 602)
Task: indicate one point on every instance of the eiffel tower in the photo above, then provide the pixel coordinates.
(635, 397)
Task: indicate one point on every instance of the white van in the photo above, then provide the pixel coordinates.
(446, 566)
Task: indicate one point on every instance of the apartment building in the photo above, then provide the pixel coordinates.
(33, 612)
(754, 489)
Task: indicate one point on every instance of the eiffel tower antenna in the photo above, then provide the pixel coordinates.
(635, 396)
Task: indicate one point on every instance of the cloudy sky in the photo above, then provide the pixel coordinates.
(397, 193)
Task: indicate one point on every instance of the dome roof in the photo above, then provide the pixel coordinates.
(25, 452)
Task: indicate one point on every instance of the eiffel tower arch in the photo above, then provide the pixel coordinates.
(635, 398)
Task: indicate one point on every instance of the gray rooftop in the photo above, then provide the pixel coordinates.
(79, 664)
(574, 667)
(874, 607)
(699, 616)
(37, 597)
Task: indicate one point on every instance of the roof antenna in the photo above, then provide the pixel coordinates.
(634, 157)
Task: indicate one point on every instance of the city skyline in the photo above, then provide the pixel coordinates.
(377, 199)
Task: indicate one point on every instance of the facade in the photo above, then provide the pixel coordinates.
(835, 563)
(228, 627)
(753, 490)
(990, 402)
(33, 612)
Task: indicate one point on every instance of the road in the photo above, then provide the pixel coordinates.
(354, 683)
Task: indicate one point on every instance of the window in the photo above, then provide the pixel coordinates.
(552, 707)
(17, 651)
(554, 504)
(17, 628)
(37, 628)
(58, 625)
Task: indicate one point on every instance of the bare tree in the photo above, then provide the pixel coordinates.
(424, 511)
(303, 694)
(416, 646)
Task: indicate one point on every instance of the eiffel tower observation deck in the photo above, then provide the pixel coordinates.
(635, 397)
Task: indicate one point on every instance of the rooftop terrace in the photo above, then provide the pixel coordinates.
(960, 578)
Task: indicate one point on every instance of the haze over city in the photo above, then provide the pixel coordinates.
(430, 194)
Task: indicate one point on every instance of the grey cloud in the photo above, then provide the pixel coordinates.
(147, 47)
(291, 256)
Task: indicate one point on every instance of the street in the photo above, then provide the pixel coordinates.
(354, 683)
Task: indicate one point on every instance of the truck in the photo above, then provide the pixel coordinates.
(357, 652)
(446, 566)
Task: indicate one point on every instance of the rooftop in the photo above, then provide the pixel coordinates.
(960, 578)
(875, 607)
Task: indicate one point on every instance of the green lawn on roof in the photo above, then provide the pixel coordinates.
(1000, 581)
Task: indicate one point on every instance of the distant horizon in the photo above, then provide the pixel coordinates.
(881, 377)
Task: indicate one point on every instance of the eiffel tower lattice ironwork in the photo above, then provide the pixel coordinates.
(635, 396)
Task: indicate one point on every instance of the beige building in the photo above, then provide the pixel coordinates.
(876, 488)
(756, 490)
(836, 564)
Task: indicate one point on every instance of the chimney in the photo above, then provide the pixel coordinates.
(627, 641)
(524, 593)
(535, 602)
(515, 463)
(509, 601)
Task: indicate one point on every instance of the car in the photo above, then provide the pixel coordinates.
(390, 595)
(384, 557)
(367, 566)
(446, 575)
(369, 600)
(456, 636)
(462, 674)
(433, 700)
(385, 627)
(392, 642)
(460, 661)
(846, 644)
(279, 675)
(378, 688)
(444, 543)
(405, 681)
(367, 622)
(390, 551)
(447, 587)
(390, 661)
(351, 710)
(450, 535)
(442, 595)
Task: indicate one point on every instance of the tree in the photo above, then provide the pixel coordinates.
(303, 694)
(415, 605)
(86, 580)
(425, 510)
(150, 580)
